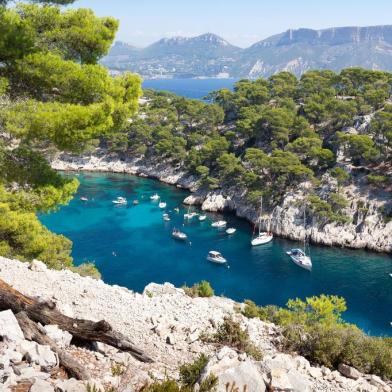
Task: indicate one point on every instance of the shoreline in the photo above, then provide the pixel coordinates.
(375, 235)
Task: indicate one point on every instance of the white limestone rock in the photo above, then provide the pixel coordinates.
(41, 386)
(60, 337)
(230, 370)
(10, 330)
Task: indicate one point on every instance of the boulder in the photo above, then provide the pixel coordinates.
(60, 337)
(38, 266)
(70, 385)
(234, 373)
(9, 328)
(40, 355)
(290, 381)
(41, 386)
(349, 371)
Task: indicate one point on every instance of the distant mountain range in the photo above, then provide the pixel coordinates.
(209, 55)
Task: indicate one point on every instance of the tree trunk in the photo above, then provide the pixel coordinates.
(46, 313)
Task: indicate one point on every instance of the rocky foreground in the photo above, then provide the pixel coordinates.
(165, 323)
(367, 230)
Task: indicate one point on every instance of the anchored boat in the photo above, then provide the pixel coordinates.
(120, 200)
(216, 257)
(219, 224)
(299, 256)
(262, 237)
(179, 235)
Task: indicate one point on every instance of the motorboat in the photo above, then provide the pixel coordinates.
(300, 258)
(262, 237)
(202, 218)
(179, 235)
(155, 196)
(219, 224)
(166, 217)
(84, 198)
(177, 209)
(135, 202)
(120, 200)
(216, 257)
(162, 204)
(231, 230)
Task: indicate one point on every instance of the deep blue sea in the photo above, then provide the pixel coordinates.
(191, 88)
(132, 246)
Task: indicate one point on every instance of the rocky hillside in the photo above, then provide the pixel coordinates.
(163, 321)
(368, 229)
(294, 50)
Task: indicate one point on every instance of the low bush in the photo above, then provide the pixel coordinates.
(314, 328)
(230, 333)
(201, 289)
(87, 269)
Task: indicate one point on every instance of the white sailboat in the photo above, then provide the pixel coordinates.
(162, 204)
(155, 197)
(299, 256)
(202, 218)
(262, 237)
(231, 230)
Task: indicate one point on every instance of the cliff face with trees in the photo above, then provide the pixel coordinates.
(320, 143)
(53, 93)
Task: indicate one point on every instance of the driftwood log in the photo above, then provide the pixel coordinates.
(46, 313)
(32, 331)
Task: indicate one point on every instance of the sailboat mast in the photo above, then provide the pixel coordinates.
(261, 212)
(305, 229)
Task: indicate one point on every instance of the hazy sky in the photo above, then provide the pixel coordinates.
(242, 22)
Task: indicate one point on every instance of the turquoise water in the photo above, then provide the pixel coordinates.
(132, 246)
(190, 88)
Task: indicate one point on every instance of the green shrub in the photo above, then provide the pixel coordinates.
(87, 269)
(230, 333)
(314, 328)
(201, 289)
(190, 373)
(378, 180)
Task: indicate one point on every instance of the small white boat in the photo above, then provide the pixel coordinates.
(390, 275)
(84, 198)
(231, 230)
(179, 235)
(135, 202)
(262, 237)
(177, 209)
(218, 224)
(202, 218)
(216, 257)
(155, 197)
(166, 217)
(187, 216)
(120, 200)
(299, 257)
(162, 204)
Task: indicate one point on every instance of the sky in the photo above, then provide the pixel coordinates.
(241, 22)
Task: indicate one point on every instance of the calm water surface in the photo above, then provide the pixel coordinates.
(190, 88)
(132, 246)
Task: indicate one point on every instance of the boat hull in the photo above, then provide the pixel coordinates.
(303, 262)
(262, 240)
(217, 261)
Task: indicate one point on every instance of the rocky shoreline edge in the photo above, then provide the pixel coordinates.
(164, 322)
(367, 230)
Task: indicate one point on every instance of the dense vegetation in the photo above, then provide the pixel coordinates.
(267, 136)
(53, 94)
(314, 328)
